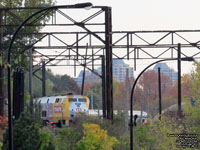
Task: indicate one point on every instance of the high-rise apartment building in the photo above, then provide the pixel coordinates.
(166, 70)
(119, 73)
(119, 70)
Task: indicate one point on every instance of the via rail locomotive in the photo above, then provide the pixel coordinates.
(60, 110)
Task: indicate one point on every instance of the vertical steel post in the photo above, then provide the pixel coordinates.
(16, 94)
(159, 93)
(2, 98)
(83, 80)
(128, 46)
(179, 79)
(92, 99)
(103, 86)
(109, 75)
(31, 80)
(77, 46)
(10, 124)
(43, 78)
(10, 120)
(21, 90)
(127, 97)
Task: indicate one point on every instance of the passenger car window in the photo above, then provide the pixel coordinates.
(57, 100)
(44, 113)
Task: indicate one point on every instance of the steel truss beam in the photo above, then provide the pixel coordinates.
(62, 46)
(84, 24)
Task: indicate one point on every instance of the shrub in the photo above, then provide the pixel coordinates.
(96, 138)
(67, 138)
(27, 134)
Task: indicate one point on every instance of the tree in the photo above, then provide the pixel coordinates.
(13, 18)
(28, 135)
(65, 84)
(37, 85)
(96, 138)
(67, 138)
(148, 85)
(96, 91)
(119, 95)
(186, 86)
(195, 77)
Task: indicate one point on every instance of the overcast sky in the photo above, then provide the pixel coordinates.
(150, 14)
(137, 15)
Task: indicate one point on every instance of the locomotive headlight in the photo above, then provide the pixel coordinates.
(78, 109)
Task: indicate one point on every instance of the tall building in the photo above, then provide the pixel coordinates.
(166, 70)
(89, 77)
(119, 70)
(119, 73)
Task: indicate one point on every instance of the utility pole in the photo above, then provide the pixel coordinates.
(104, 107)
(179, 79)
(83, 79)
(159, 92)
(92, 100)
(2, 96)
(43, 79)
(31, 79)
(127, 97)
(109, 75)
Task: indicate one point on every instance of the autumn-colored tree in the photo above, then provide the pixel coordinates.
(195, 77)
(62, 84)
(147, 90)
(119, 91)
(96, 138)
(87, 87)
(149, 84)
(186, 85)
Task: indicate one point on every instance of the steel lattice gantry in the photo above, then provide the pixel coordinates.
(67, 36)
(61, 18)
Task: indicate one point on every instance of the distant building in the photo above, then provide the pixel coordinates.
(119, 73)
(119, 70)
(166, 70)
(89, 78)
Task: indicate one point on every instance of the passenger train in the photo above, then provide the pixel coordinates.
(60, 110)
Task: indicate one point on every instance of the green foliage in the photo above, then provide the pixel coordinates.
(96, 90)
(46, 140)
(0, 145)
(195, 77)
(124, 142)
(66, 139)
(37, 85)
(16, 17)
(64, 84)
(28, 135)
(143, 137)
(192, 120)
(96, 139)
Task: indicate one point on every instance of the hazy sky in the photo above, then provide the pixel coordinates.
(134, 15)
(150, 14)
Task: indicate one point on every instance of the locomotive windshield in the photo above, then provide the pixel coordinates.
(81, 100)
(72, 100)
